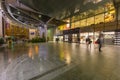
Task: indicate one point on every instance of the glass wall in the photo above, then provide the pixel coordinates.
(77, 24)
(72, 25)
(90, 21)
(74, 37)
(83, 23)
(100, 10)
(102, 14)
(99, 18)
(110, 16)
(119, 13)
(64, 27)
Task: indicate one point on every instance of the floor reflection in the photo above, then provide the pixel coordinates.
(25, 61)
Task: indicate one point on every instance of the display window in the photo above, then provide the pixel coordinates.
(90, 12)
(66, 38)
(109, 38)
(73, 25)
(92, 36)
(99, 18)
(90, 21)
(110, 16)
(99, 10)
(119, 13)
(77, 24)
(109, 35)
(61, 27)
(109, 6)
(75, 18)
(83, 15)
(83, 37)
(83, 22)
(59, 37)
(65, 27)
(74, 37)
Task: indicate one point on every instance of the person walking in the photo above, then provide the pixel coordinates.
(99, 42)
(78, 40)
(88, 41)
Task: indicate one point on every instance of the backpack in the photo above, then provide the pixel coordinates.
(98, 41)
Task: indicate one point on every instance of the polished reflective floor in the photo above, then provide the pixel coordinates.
(59, 61)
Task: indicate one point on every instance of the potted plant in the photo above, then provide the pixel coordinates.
(1, 41)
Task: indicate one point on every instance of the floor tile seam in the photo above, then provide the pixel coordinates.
(58, 72)
(5, 72)
(50, 71)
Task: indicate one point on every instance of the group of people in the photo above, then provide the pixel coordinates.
(98, 42)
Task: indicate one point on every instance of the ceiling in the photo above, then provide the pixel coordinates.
(52, 7)
(54, 10)
(26, 15)
(61, 8)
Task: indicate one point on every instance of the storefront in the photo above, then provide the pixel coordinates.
(109, 37)
(71, 35)
(92, 35)
(117, 37)
(75, 37)
(83, 37)
(59, 37)
(66, 38)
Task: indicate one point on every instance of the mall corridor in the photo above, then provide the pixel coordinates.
(59, 61)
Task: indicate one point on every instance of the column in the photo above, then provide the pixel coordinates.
(45, 26)
(1, 24)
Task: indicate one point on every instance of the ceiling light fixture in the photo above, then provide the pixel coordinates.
(18, 12)
(39, 16)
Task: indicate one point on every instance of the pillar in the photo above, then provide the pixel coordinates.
(45, 26)
(1, 24)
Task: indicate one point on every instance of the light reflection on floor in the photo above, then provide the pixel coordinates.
(25, 61)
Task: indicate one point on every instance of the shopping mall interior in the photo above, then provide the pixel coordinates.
(59, 39)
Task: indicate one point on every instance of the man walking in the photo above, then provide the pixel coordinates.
(88, 41)
(99, 42)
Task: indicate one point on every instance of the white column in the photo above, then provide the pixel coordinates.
(45, 26)
(1, 29)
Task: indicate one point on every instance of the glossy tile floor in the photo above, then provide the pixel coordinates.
(59, 61)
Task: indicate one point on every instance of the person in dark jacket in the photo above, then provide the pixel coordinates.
(88, 41)
(99, 42)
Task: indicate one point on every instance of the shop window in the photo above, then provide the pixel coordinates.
(83, 22)
(73, 18)
(119, 13)
(90, 13)
(99, 18)
(99, 10)
(73, 25)
(90, 21)
(109, 6)
(77, 24)
(110, 16)
(83, 15)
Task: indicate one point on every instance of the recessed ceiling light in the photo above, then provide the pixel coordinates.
(39, 16)
(18, 12)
